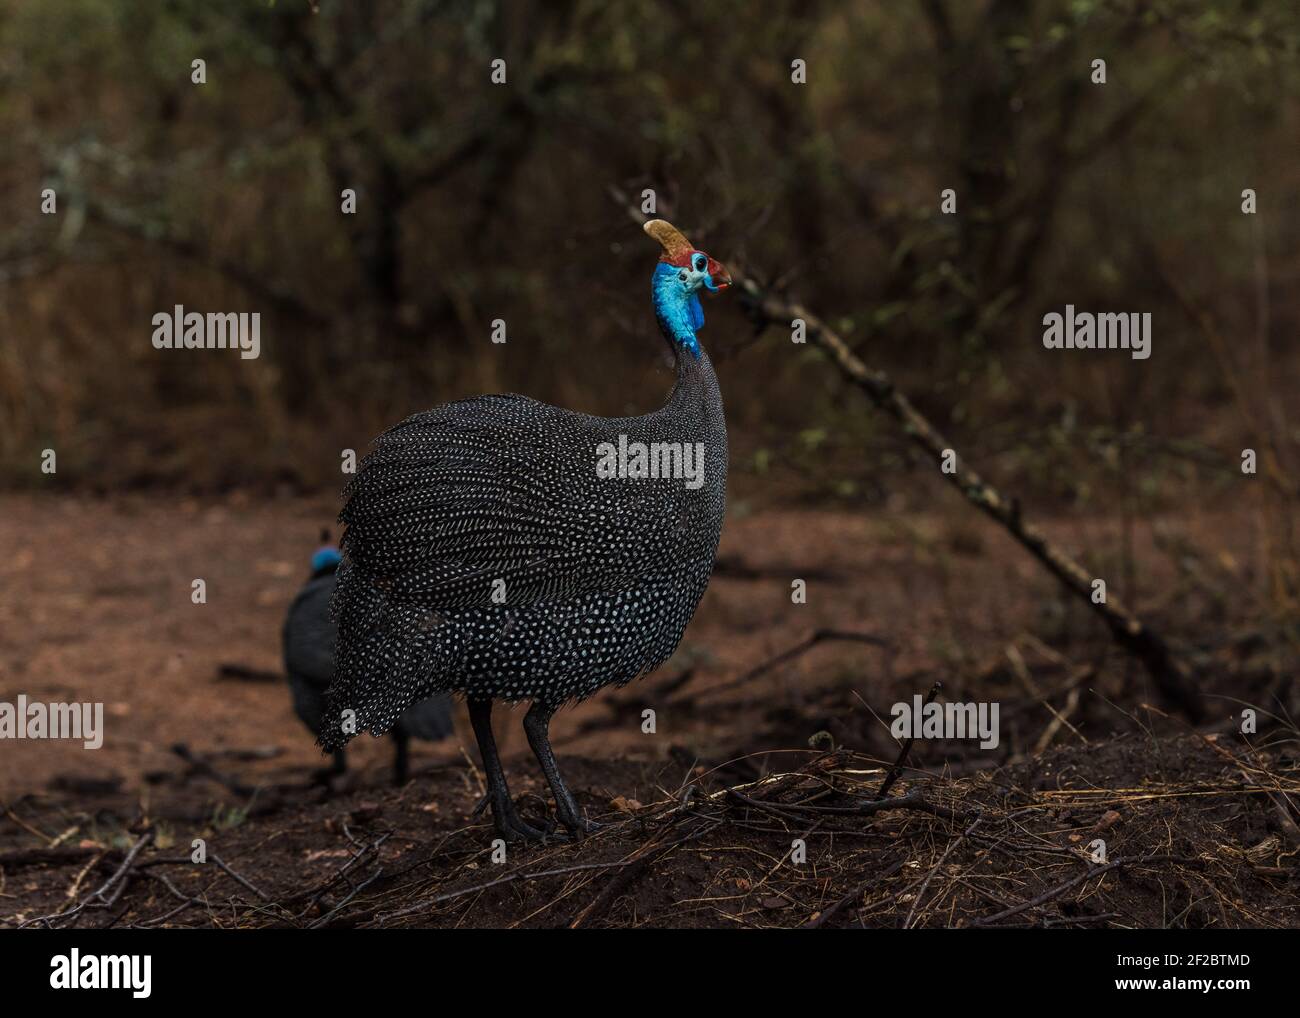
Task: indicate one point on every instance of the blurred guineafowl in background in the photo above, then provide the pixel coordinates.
(309, 639)
(507, 549)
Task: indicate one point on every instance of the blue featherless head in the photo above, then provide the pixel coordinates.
(324, 558)
(675, 288)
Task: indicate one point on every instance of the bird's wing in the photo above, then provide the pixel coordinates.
(309, 635)
(501, 488)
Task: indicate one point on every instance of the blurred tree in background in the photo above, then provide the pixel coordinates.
(479, 201)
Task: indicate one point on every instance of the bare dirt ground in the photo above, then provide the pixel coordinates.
(1200, 825)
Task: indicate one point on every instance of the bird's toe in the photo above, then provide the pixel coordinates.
(515, 831)
(579, 826)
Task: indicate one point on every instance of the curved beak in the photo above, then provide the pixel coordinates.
(719, 278)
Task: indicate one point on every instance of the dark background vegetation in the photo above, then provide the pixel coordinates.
(481, 201)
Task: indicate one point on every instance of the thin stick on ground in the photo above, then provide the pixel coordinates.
(828, 913)
(901, 762)
(1092, 871)
(907, 922)
(802, 647)
(104, 896)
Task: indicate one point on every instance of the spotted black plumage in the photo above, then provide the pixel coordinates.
(484, 555)
(308, 640)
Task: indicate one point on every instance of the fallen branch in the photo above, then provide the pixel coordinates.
(1170, 675)
(104, 896)
(765, 308)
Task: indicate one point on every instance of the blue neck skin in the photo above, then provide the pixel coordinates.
(679, 313)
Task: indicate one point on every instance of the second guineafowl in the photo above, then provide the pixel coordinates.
(309, 638)
(507, 549)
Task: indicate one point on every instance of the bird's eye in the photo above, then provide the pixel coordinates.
(700, 262)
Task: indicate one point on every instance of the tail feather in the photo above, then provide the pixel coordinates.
(390, 654)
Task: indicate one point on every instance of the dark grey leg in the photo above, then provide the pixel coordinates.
(537, 726)
(401, 757)
(507, 821)
(340, 765)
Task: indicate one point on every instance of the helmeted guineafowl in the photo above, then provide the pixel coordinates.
(506, 549)
(309, 640)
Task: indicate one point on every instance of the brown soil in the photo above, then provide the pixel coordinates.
(95, 605)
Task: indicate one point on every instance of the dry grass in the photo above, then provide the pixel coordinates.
(1209, 844)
